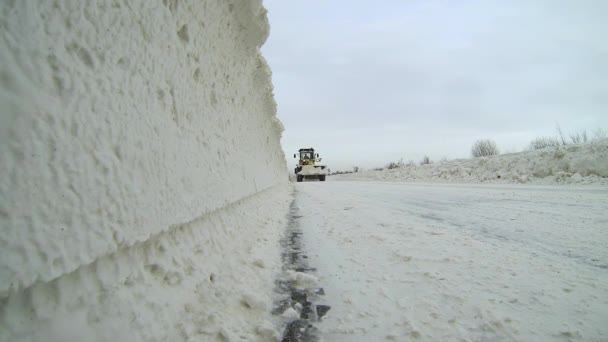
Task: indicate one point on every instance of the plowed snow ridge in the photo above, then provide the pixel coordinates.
(143, 183)
(573, 164)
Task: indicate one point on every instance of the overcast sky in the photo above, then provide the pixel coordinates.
(368, 82)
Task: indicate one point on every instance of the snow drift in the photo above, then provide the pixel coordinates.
(138, 143)
(571, 164)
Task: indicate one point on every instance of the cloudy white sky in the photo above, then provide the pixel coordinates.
(368, 82)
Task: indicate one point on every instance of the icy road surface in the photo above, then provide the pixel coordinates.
(435, 262)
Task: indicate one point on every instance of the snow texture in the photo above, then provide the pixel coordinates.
(572, 164)
(138, 143)
(446, 262)
(310, 170)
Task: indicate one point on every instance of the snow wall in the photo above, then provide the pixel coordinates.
(143, 184)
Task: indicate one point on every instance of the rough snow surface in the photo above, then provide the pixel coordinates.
(573, 164)
(120, 120)
(301, 279)
(121, 123)
(451, 262)
(310, 170)
(200, 281)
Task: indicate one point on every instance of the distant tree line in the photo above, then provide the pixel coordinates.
(488, 147)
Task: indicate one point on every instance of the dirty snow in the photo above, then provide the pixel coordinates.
(572, 164)
(449, 262)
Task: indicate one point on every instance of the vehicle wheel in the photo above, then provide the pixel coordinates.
(300, 178)
(322, 178)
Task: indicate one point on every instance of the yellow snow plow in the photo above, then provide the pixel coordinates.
(308, 166)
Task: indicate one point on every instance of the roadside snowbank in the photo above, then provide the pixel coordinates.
(206, 280)
(573, 164)
(124, 128)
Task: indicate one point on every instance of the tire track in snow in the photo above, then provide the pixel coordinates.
(298, 288)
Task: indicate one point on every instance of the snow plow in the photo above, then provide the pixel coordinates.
(308, 166)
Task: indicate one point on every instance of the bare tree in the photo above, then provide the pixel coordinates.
(599, 135)
(392, 165)
(355, 169)
(560, 134)
(483, 148)
(583, 137)
(543, 142)
(425, 160)
(579, 138)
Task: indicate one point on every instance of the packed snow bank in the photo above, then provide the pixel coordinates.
(573, 164)
(209, 279)
(121, 124)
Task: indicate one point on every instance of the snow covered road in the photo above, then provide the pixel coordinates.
(403, 261)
